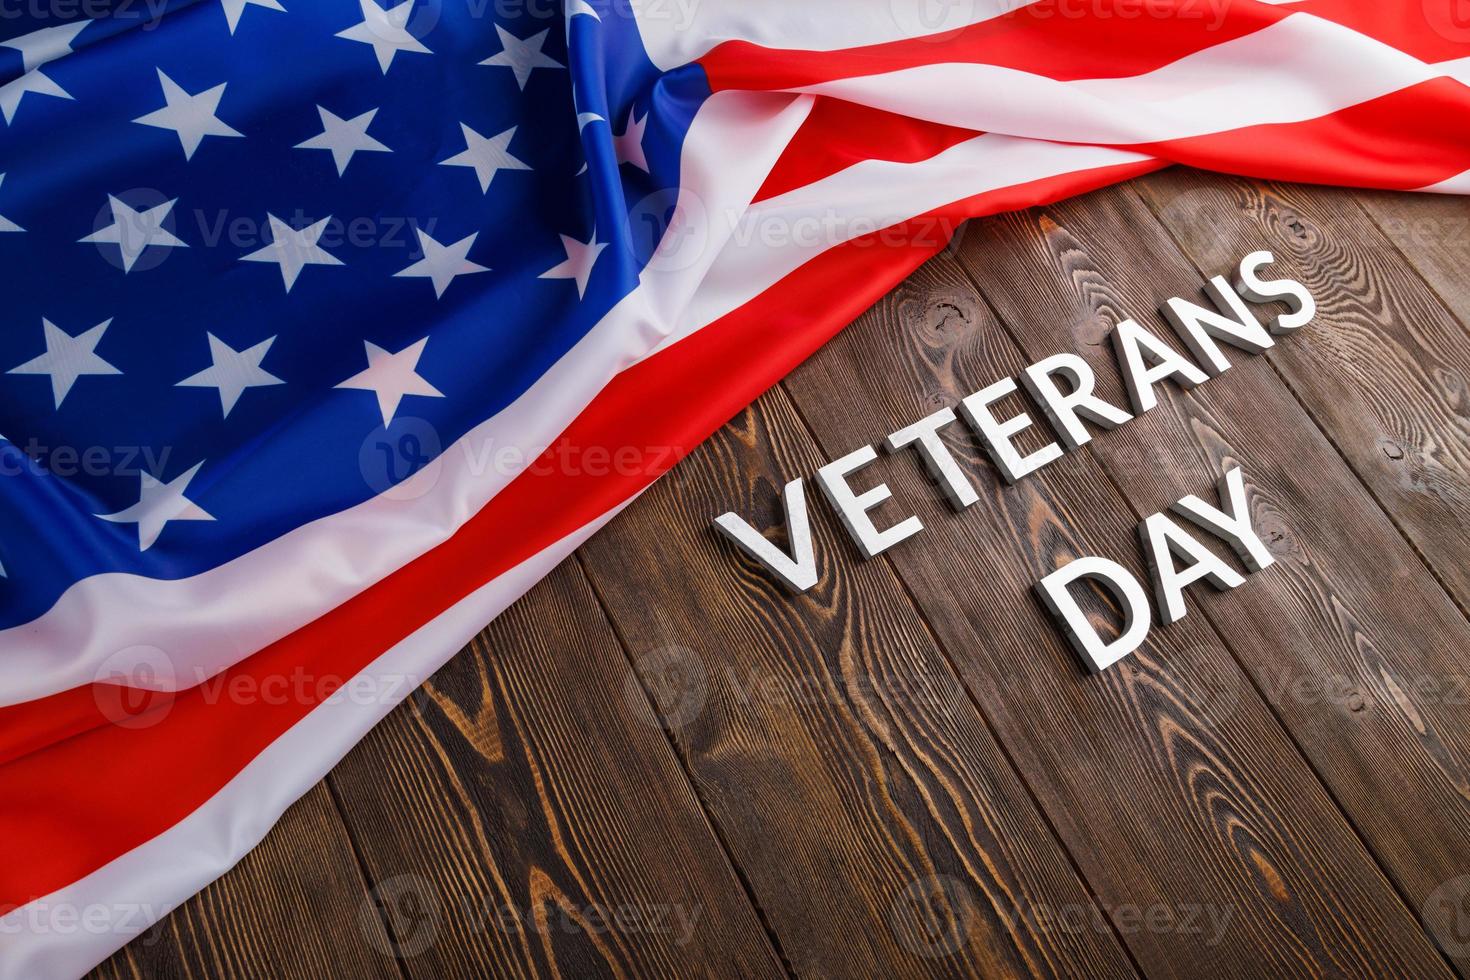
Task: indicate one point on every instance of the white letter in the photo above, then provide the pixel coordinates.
(1062, 408)
(924, 436)
(1288, 291)
(1232, 526)
(996, 435)
(1199, 327)
(1057, 597)
(1132, 342)
(853, 508)
(1162, 540)
(798, 573)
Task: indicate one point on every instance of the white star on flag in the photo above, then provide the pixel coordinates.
(192, 117)
(33, 81)
(628, 146)
(5, 223)
(158, 505)
(232, 371)
(386, 31)
(36, 49)
(581, 256)
(46, 45)
(443, 263)
(344, 137)
(486, 157)
(522, 56)
(133, 232)
(293, 250)
(68, 358)
(234, 8)
(391, 376)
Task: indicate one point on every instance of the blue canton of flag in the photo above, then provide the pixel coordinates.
(268, 258)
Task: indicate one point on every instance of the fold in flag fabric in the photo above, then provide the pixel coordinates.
(330, 326)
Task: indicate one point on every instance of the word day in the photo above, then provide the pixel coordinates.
(1062, 387)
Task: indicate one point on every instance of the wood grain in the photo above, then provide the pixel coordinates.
(1358, 650)
(1169, 779)
(881, 829)
(290, 908)
(523, 815)
(1432, 232)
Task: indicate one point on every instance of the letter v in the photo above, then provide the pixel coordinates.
(798, 570)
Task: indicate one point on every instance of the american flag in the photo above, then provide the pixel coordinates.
(330, 326)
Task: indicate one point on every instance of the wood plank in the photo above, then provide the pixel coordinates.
(524, 815)
(289, 908)
(881, 829)
(1168, 778)
(1359, 652)
(1433, 233)
(1387, 368)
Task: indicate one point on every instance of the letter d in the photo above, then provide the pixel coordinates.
(1056, 595)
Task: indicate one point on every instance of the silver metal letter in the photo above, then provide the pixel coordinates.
(1134, 345)
(1056, 595)
(1200, 327)
(1288, 291)
(923, 435)
(1162, 540)
(996, 435)
(853, 508)
(1066, 409)
(1232, 525)
(798, 570)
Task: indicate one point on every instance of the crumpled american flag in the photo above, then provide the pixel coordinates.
(328, 327)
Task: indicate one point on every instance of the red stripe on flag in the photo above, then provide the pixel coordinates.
(1430, 30)
(1398, 142)
(838, 134)
(1106, 39)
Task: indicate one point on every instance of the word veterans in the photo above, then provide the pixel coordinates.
(1062, 386)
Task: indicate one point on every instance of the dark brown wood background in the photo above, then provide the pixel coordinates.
(657, 763)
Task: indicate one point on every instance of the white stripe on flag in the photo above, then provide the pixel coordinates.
(676, 32)
(1459, 184)
(1303, 67)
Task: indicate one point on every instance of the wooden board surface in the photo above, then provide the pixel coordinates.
(659, 764)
